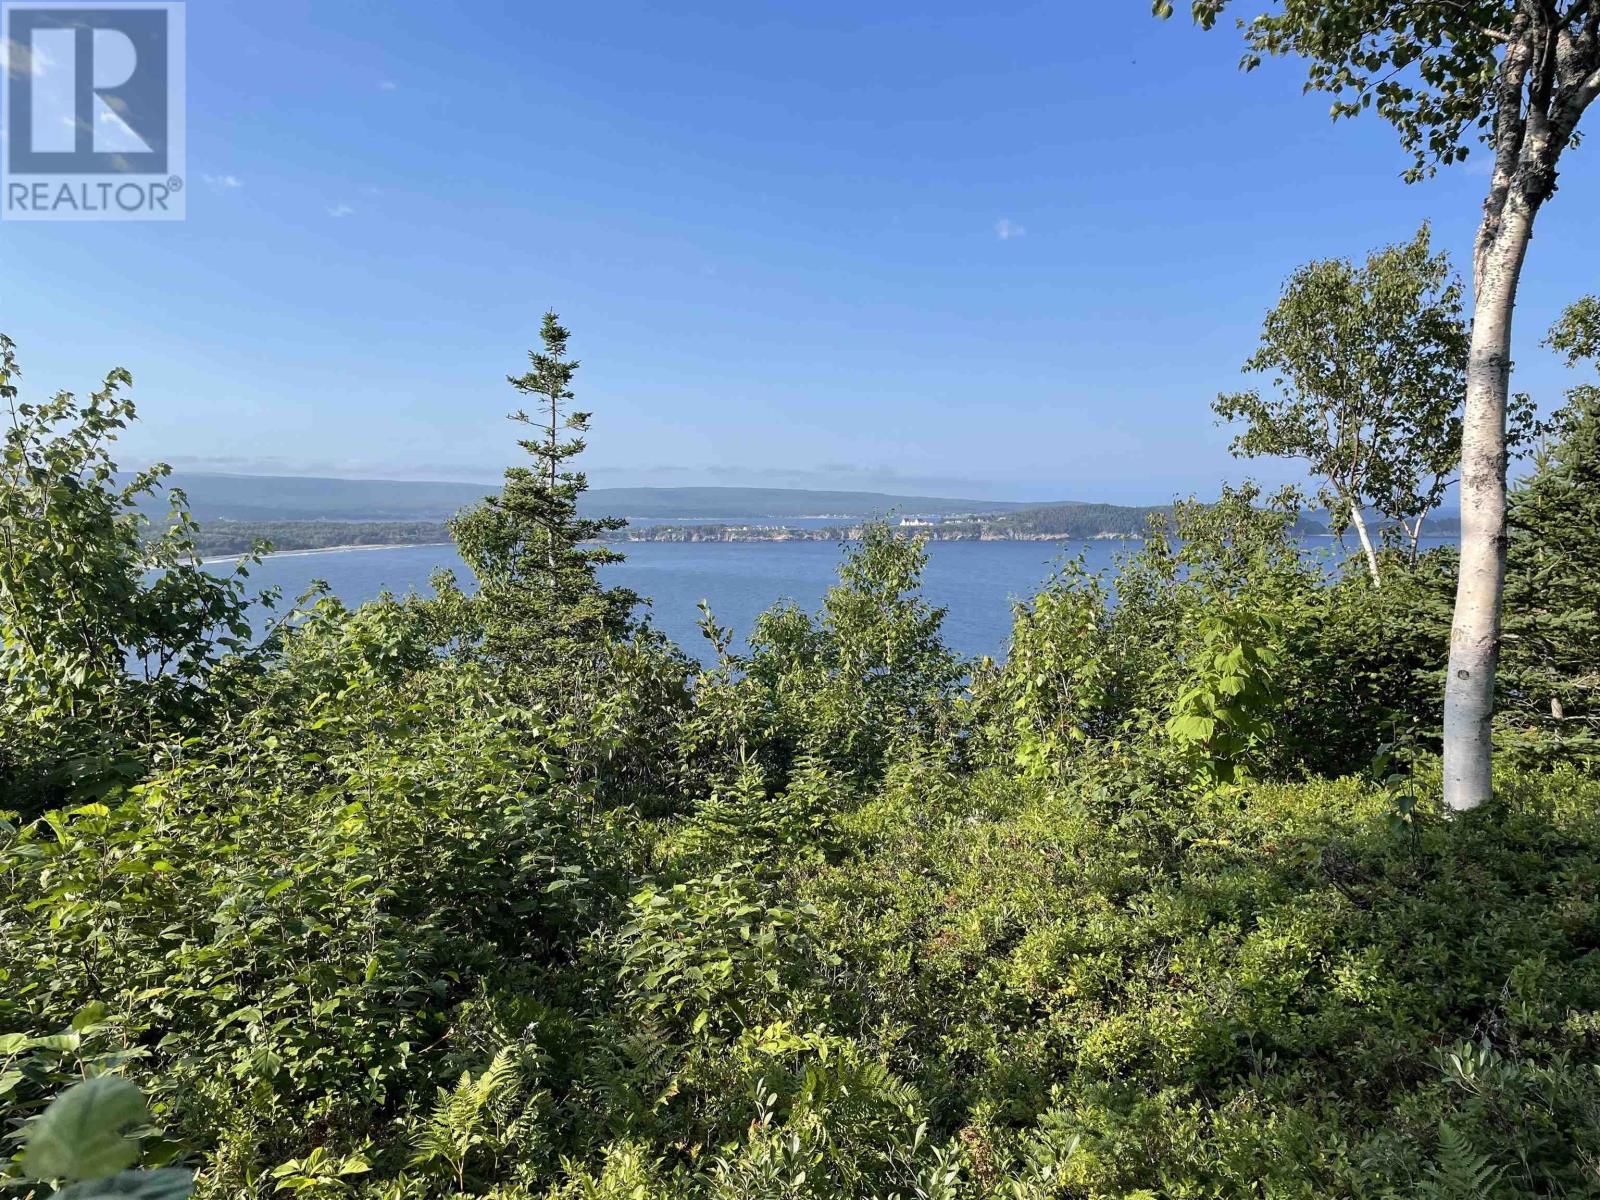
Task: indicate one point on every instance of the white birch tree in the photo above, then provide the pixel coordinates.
(1367, 365)
(1520, 74)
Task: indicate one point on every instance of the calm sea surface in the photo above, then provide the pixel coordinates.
(977, 582)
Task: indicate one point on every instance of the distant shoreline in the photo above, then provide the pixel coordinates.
(324, 550)
(724, 541)
(807, 536)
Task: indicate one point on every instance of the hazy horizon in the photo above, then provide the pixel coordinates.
(824, 248)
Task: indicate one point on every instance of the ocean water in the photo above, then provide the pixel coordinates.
(976, 582)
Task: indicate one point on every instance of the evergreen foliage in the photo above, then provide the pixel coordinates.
(1550, 663)
(538, 599)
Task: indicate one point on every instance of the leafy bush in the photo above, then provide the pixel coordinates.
(86, 1141)
(99, 658)
(1207, 997)
(1224, 596)
(1550, 683)
(868, 673)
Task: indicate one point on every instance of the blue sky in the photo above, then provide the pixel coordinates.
(1007, 250)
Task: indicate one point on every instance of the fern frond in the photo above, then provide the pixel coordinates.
(1460, 1174)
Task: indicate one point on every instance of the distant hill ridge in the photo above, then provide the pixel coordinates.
(683, 503)
(303, 512)
(309, 498)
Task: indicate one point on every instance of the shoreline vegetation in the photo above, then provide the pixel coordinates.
(222, 539)
(301, 552)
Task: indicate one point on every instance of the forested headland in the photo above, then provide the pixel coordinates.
(221, 539)
(1066, 522)
(1033, 523)
(1055, 522)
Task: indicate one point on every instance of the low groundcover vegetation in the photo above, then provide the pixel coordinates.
(500, 894)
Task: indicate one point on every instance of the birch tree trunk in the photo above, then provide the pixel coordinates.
(1360, 523)
(1549, 75)
(1475, 632)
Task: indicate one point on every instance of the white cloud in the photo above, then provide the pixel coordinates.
(1005, 229)
(224, 182)
(388, 85)
(341, 210)
(15, 57)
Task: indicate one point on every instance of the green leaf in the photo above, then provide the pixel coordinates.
(92, 1013)
(1192, 728)
(166, 1184)
(80, 1136)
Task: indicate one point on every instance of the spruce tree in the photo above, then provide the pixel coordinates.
(539, 601)
(1551, 654)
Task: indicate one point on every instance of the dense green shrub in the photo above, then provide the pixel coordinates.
(867, 673)
(286, 921)
(99, 658)
(1267, 987)
(1220, 597)
(1185, 992)
(1550, 663)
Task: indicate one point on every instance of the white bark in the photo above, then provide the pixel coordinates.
(1549, 75)
(1475, 633)
(1360, 523)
